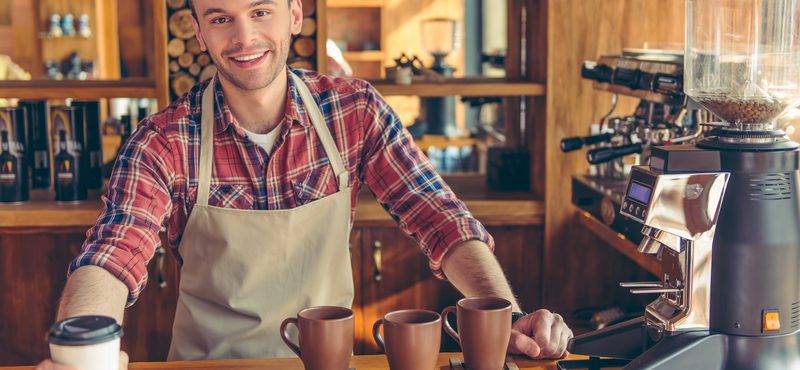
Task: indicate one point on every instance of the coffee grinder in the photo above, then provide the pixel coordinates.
(722, 215)
(439, 38)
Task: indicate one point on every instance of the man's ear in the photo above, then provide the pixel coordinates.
(198, 35)
(296, 10)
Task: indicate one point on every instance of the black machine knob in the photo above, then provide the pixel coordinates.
(574, 143)
(600, 155)
(596, 72)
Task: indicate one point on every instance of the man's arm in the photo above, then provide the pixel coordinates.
(473, 270)
(92, 290)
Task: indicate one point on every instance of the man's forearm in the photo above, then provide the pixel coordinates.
(474, 271)
(92, 290)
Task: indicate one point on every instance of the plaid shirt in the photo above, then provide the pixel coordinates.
(154, 181)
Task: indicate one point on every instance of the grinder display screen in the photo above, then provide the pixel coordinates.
(639, 192)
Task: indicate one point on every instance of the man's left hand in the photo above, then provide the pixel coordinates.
(540, 335)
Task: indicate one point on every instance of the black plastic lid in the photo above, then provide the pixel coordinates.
(84, 330)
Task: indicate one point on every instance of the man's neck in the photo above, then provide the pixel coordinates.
(256, 110)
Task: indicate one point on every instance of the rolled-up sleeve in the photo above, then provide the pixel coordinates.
(407, 186)
(125, 236)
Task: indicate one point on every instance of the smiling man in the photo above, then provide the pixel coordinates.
(256, 174)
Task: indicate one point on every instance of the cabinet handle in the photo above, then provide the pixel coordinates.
(376, 255)
(161, 255)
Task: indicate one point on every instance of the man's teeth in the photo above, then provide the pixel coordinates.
(248, 58)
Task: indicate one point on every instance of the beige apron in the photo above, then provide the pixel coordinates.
(244, 271)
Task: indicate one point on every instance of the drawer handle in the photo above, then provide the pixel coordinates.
(161, 255)
(376, 255)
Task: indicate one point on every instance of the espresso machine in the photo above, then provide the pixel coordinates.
(663, 116)
(722, 215)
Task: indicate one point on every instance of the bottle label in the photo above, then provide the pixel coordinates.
(65, 177)
(7, 175)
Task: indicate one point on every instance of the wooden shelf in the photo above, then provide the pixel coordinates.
(355, 3)
(620, 243)
(462, 87)
(491, 208)
(440, 141)
(90, 89)
(364, 56)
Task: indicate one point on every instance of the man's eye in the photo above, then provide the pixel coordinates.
(220, 20)
(261, 13)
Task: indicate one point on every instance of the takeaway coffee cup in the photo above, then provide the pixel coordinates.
(412, 339)
(86, 342)
(325, 339)
(484, 329)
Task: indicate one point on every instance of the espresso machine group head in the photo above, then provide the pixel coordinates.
(722, 215)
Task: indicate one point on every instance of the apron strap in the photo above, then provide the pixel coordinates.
(206, 144)
(342, 176)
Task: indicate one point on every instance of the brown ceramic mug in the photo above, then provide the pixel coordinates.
(412, 339)
(484, 325)
(326, 337)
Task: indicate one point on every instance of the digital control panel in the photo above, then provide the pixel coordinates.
(638, 194)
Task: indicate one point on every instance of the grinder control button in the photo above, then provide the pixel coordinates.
(772, 320)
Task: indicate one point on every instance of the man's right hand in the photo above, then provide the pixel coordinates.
(50, 365)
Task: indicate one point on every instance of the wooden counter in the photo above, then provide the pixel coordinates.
(491, 208)
(377, 362)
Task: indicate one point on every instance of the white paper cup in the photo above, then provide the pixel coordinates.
(86, 342)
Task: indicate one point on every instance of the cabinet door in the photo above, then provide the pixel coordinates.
(396, 276)
(33, 267)
(33, 271)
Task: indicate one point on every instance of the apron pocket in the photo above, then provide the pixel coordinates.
(231, 196)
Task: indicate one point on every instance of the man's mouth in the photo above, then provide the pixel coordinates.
(249, 60)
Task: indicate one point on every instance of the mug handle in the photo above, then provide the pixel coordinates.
(446, 324)
(285, 335)
(376, 333)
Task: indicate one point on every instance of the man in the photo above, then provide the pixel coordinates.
(256, 173)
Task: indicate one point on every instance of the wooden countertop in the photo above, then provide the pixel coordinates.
(491, 208)
(374, 362)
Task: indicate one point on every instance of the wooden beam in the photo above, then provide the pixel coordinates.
(90, 89)
(461, 87)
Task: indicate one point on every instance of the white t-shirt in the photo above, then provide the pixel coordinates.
(263, 140)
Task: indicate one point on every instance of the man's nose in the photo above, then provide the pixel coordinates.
(244, 33)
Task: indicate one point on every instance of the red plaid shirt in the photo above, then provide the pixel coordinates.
(154, 181)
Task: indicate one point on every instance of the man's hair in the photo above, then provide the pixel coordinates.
(194, 14)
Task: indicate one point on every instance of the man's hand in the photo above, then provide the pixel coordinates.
(540, 335)
(50, 365)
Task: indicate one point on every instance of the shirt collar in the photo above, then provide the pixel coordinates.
(295, 113)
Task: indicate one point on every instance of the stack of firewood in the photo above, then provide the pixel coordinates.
(188, 64)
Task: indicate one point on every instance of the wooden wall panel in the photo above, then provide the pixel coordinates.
(132, 38)
(580, 271)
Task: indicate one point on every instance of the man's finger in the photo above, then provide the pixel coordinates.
(541, 330)
(521, 344)
(565, 337)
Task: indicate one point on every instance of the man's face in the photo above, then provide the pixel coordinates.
(248, 40)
